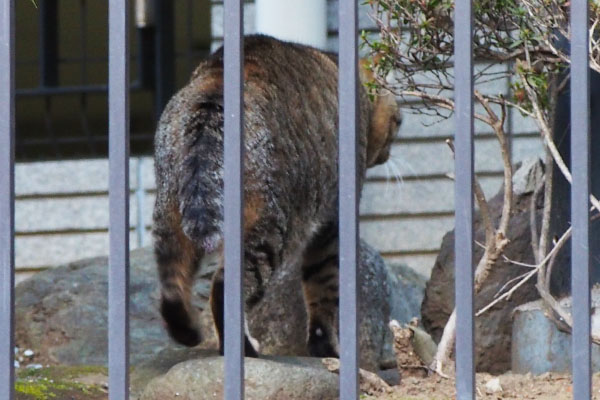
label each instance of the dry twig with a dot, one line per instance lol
(496, 239)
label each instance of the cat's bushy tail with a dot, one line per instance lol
(200, 190)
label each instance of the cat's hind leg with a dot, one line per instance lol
(177, 258)
(217, 303)
(262, 248)
(320, 287)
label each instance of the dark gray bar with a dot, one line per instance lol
(580, 192)
(463, 242)
(165, 54)
(348, 198)
(234, 200)
(7, 197)
(48, 43)
(118, 278)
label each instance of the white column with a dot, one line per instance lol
(300, 21)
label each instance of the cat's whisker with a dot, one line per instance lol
(390, 174)
(397, 172)
(387, 177)
(403, 163)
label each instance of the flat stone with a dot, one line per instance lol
(275, 378)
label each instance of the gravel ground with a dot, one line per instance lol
(549, 386)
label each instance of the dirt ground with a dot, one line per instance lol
(89, 383)
(549, 386)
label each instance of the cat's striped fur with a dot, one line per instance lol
(291, 123)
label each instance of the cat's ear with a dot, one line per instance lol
(367, 66)
(365, 72)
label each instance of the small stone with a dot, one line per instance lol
(28, 353)
(17, 364)
(35, 366)
(493, 386)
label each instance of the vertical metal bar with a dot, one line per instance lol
(83, 97)
(118, 280)
(7, 197)
(348, 197)
(48, 122)
(165, 54)
(463, 237)
(580, 192)
(189, 22)
(234, 199)
(146, 63)
(48, 43)
(83, 16)
(140, 194)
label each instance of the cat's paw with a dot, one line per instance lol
(321, 343)
(251, 347)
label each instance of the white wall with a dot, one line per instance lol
(292, 20)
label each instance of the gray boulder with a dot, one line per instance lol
(539, 346)
(270, 378)
(62, 312)
(386, 293)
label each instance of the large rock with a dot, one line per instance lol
(494, 328)
(278, 378)
(386, 292)
(62, 313)
(539, 346)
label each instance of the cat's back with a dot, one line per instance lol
(290, 110)
(290, 135)
(286, 85)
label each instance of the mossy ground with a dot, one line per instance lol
(62, 382)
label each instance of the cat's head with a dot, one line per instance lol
(385, 121)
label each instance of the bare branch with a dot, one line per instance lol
(535, 240)
(545, 232)
(484, 207)
(559, 244)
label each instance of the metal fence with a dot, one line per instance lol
(72, 69)
(234, 365)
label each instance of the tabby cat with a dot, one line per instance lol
(291, 194)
